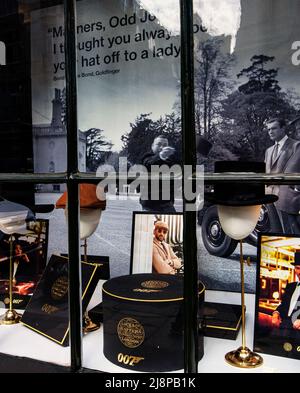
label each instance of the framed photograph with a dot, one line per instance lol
(157, 243)
(277, 313)
(29, 256)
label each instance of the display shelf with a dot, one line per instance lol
(18, 340)
(215, 348)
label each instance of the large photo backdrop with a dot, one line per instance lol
(247, 60)
(128, 75)
(247, 86)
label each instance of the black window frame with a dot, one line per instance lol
(72, 177)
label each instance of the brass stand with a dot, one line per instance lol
(88, 324)
(243, 357)
(85, 250)
(11, 316)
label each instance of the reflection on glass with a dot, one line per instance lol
(246, 75)
(247, 90)
(128, 79)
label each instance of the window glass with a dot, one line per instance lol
(48, 86)
(33, 275)
(128, 108)
(34, 278)
(246, 101)
(128, 79)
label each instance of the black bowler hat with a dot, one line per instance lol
(239, 194)
(203, 146)
(297, 259)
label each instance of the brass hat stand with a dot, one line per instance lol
(243, 357)
(11, 316)
(238, 222)
(90, 211)
(239, 208)
(88, 324)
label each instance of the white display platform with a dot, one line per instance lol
(20, 341)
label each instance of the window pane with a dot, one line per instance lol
(128, 79)
(32, 123)
(34, 278)
(245, 75)
(128, 95)
(48, 87)
(246, 100)
(247, 88)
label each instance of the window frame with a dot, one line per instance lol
(72, 177)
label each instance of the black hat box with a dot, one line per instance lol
(143, 321)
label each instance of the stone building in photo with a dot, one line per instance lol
(50, 146)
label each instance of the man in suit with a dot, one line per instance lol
(284, 157)
(161, 154)
(21, 263)
(164, 260)
(287, 314)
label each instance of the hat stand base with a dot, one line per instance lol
(11, 317)
(243, 358)
(89, 325)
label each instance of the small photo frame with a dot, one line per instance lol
(157, 243)
(277, 311)
(29, 256)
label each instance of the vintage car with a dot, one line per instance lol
(218, 243)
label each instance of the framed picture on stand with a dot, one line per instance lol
(157, 243)
(277, 313)
(29, 254)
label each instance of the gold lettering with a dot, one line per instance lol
(49, 309)
(130, 360)
(60, 288)
(17, 301)
(151, 284)
(131, 333)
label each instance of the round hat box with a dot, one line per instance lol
(143, 321)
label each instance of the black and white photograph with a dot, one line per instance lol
(247, 90)
(246, 101)
(157, 243)
(277, 319)
(121, 46)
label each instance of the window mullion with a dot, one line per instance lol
(75, 306)
(189, 158)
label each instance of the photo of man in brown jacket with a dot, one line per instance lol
(164, 260)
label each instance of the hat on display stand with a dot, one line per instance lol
(14, 216)
(239, 206)
(92, 202)
(239, 193)
(91, 207)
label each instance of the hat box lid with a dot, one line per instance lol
(152, 288)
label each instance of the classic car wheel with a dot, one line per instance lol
(214, 238)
